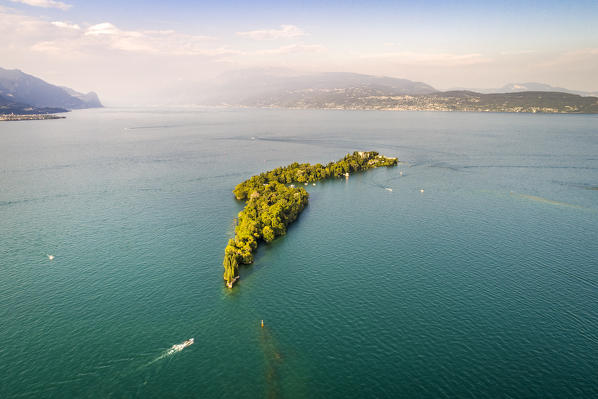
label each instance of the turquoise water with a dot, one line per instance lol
(485, 285)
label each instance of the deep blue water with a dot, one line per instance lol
(485, 285)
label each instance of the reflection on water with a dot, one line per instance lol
(272, 363)
(546, 200)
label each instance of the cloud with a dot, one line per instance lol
(430, 59)
(583, 53)
(159, 42)
(71, 39)
(19, 31)
(44, 4)
(293, 48)
(23, 34)
(578, 59)
(285, 32)
(105, 28)
(47, 47)
(517, 52)
(66, 25)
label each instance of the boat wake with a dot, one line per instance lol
(171, 351)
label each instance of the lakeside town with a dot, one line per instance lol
(460, 100)
(32, 117)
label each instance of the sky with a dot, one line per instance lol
(131, 52)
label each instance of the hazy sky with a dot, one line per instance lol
(128, 51)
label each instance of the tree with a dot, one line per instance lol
(231, 266)
(268, 234)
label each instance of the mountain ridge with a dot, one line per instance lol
(247, 86)
(351, 91)
(28, 91)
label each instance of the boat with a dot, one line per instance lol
(180, 347)
(388, 188)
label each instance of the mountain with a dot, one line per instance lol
(22, 88)
(529, 86)
(8, 106)
(280, 88)
(91, 99)
(256, 87)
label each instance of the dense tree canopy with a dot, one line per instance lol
(271, 205)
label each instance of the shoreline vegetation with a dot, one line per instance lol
(273, 202)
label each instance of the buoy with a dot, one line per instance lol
(262, 323)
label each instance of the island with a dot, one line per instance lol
(273, 202)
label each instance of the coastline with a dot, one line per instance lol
(31, 117)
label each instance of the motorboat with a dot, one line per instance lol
(180, 347)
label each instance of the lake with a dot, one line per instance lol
(483, 285)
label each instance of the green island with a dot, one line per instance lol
(273, 202)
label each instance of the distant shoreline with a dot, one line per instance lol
(30, 117)
(415, 109)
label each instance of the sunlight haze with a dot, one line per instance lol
(131, 53)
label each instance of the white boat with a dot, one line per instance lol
(388, 188)
(180, 347)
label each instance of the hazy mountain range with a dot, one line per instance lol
(280, 88)
(333, 90)
(256, 86)
(27, 94)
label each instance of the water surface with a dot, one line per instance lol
(484, 285)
